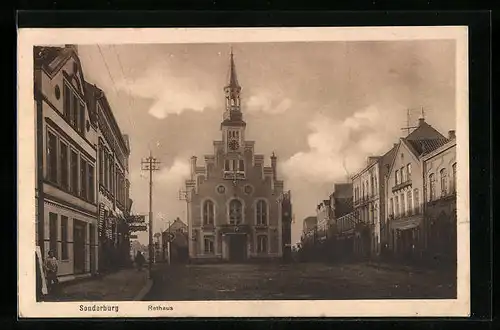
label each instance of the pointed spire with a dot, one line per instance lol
(233, 79)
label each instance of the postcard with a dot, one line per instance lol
(243, 172)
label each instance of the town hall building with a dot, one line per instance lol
(234, 201)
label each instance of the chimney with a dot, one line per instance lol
(395, 145)
(421, 121)
(451, 134)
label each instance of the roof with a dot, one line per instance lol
(94, 93)
(424, 146)
(424, 131)
(233, 78)
(44, 56)
(342, 190)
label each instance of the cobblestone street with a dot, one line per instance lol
(299, 281)
(120, 286)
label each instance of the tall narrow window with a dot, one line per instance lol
(432, 187)
(83, 179)
(64, 166)
(208, 244)
(208, 212)
(226, 165)
(53, 233)
(391, 206)
(403, 175)
(74, 111)
(409, 202)
(101, 164)
(74, 172)
(396, 206)
(444, 181)
(52, 157)
(262, 244)
(416, 201)
(242, 165)
(403, 209)
(235, 212)
(454, 173)
(64, 238)
(408, 171)
(67, 94)
(105, 170)
(81, 121)
(235, 165)
(261, 212)
(397, 177)
(91, 183)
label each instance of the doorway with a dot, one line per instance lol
(79, 247)
(237, 247)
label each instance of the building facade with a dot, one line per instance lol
(369, 203)
(440, 208)
(405, 191)
(179, 245)
(113, 151)
(66, 162)
(234, 208)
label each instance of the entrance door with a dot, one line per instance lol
(79, 247)
(237, 247)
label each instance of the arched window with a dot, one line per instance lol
(261, 212)
(444, 181)
(235, 212)
(409, 201)
(396, 177)
(432, 187)
(208, 212)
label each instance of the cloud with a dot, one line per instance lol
(175, 174)
(170, 94)
(337, 149)
(267, 102)
(340, 146)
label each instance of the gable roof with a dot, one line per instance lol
(51, 59)
(95, 94)
(422, 140)
(423, 146)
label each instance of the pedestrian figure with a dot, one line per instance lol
(139, 260)
(51, 268)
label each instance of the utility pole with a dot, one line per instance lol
(150, 164)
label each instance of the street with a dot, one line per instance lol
(298, 281)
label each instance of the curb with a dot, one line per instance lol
(144, 291)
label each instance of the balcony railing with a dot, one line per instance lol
(401, 185)
(407, 213)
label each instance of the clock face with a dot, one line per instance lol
(234, 145)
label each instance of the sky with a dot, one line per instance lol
(322, 107)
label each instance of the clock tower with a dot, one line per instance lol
(233, 125)
(234, 200)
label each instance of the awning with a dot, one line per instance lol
(406, 223)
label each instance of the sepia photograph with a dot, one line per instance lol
(243, 172)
